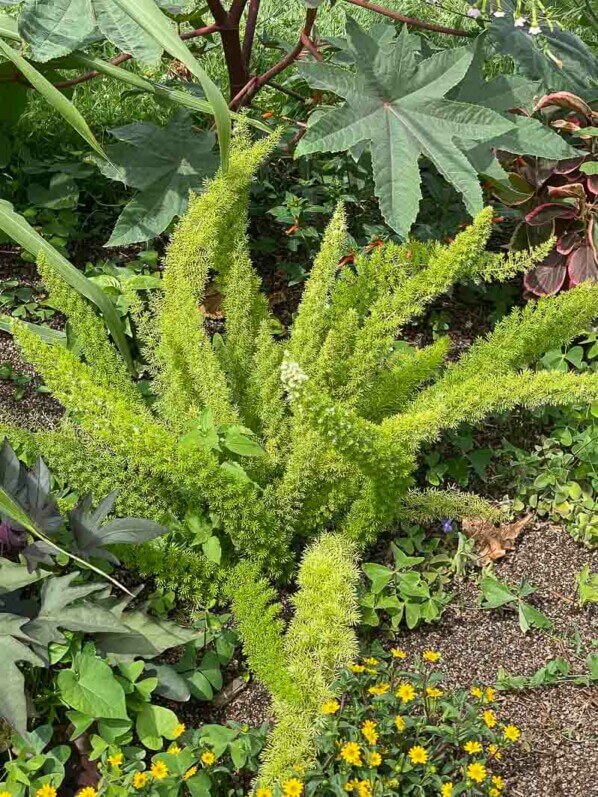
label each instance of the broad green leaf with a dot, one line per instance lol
(496, 593)
(63, 606)
(529, 617)
(126, 34)
(91, 688)
(147, 14)
(23, 233)
(143, 635)
(155, 723)
(242, 445)
(398, 104)
(502, 94)
(200, 686)
(591, 167)
(13, 705)
(14, 575)
(212, 549)
(164, 164)
(55, 27)
(379, 575)
(10, 508)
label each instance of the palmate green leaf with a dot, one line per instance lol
(54, 28)
(502, 94)
(52, 95)
(13, 644)
(397, 102)
(147, 14)
(164, 163)
(23, 233)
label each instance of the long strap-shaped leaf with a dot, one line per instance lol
(47, 334)
(147, 14)
(184, 98)
(23, 233)
(54, 97)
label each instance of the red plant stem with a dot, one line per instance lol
(415, 23)
(245, 96)
(228, 25)
(309, 45)
(250, 27)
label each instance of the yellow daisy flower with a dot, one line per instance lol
(418, 755)
(511, 732)
(472, 747)
(46, 791)
(208, 758)
(477, 772)
(88, 791)
(364, 788)
(476, 691)
(498, 782)
(369, 731)
(405, 692)
(446, 790)
(431, 655)
(375, 759)
(350, 785)
(433, 691)
(292, 788)
(5, 794)
(379, 689)
(330, 706)
(140, 779)
(493, 792)
(174, 749)
(489, 718)
(193, 771)
(115, 760)
(263, 792)
(490, 694)
(371, 661)
(400, 723)
(357, 668)
(494, 751)
(351, 753)
(397, 653)
(159, 770)
(178, 730)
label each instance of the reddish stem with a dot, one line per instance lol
(250, 27)
(309, 45)
(249, 91)
(415, 23)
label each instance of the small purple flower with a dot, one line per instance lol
(447, 525)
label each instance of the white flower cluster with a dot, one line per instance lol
(292, 377)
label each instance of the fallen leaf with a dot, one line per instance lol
(493, 541)
(212, 303)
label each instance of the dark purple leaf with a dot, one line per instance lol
(583, 265)
(11, 540)
(569, 165)
(548, 277)
(575, 190)
(548, 212)
(568, 242)
(592, 183)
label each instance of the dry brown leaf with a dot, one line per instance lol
(212, 303)
(493, 541)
